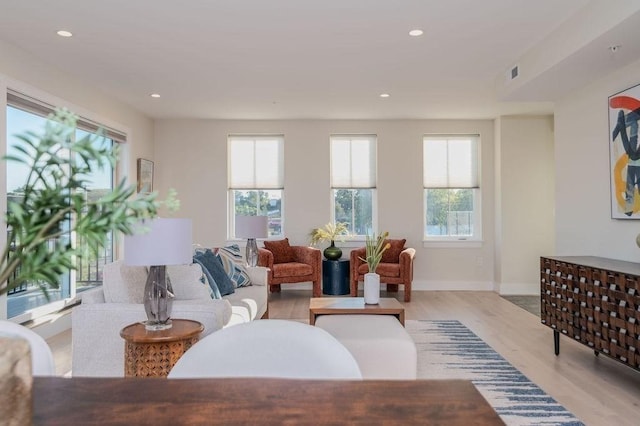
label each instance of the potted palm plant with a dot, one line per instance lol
(39, 247)
(374, 248)
(329, 233)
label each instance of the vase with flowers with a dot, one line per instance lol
(330, 233)
(374, 247)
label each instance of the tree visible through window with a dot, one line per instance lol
(353, 207)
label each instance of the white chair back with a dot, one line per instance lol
(41, 356)
(268, 348)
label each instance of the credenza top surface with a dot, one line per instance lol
(613, 265)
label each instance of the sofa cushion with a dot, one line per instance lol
(233, 264)
(213, 265)
(123, 283)
(392, 254)
(282, 251)
(292, 269)
(247, 304)
(384, 269)
(186, 281)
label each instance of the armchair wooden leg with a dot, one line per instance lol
(317, 291)
(354, 287)
(275, 288)
(392, 288)
(407, 292)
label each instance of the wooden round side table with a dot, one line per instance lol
(154, 353)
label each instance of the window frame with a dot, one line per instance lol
(354, 240)
(231, 189)
(448, 241)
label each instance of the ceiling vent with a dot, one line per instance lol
(514, 73)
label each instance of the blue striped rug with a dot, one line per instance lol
(449, 350)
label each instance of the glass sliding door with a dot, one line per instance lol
(28, 301)
(29, 295)
(90, 265)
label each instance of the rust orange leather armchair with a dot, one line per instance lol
(302, 264)
(395, 273)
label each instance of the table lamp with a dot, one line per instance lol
(252, 227)
(157, 243)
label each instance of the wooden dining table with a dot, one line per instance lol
(251, 401)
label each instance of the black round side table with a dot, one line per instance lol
(335, 277)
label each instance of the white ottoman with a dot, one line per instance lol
(379, 343)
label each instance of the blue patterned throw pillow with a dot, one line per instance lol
(233, 264)
(209, 261)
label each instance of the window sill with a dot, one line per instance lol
(350, 243)
(452, 244)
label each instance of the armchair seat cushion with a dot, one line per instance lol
(384, 269)
(292, 269)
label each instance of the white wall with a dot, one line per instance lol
(525, 201)
(583, 214)
(191, 156)
(20, 70)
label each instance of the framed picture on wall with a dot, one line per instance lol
(145, 176)
(624, 153)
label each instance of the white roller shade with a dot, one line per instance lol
(353, 161)
(256, 162)
(451, 162)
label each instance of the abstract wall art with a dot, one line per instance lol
(624, 153)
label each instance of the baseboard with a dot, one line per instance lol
(297, 286)
(50, 325)
(519, 289)
(438, 285)
(420, 285)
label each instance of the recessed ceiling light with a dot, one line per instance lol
(416, 33)
(384, 95)
(155, 95)
(63, 33)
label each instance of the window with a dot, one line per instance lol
(256, 179)
(353, 182)
(26, 114)
(451, 187)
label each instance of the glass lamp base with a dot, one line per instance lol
(252, 252)
(157, 326)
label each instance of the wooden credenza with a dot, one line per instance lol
(595, 301)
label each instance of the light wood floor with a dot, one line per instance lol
(598, 390)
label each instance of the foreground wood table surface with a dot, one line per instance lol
(156, 401)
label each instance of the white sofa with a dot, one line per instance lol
(98, 349)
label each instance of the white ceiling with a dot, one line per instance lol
(269, 59)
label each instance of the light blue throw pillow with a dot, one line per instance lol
(233, 263)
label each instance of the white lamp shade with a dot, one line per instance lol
(252, 227)
(165, 242)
